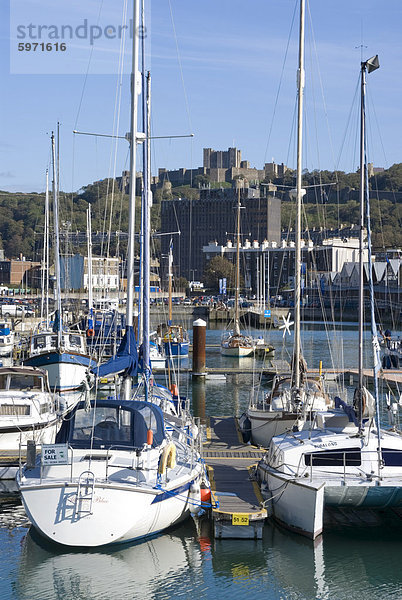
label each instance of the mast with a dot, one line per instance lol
(370, 65)
(56, 243)
(126, 387)
(236, 315)
(170, 276)
(44, 305)
(146, 249)
(299, 195)
(89, 249)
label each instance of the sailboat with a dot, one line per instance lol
(234, 342)
(294, 398)
(346, 460)
(62, 353)
(174, 337)
(127, 467)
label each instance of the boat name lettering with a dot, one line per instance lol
(325, 445)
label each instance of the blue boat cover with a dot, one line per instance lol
(145, 415)
(349, 410)
(125, 360)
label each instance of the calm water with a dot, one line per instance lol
(348, 563)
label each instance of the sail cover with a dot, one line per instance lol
(126, 358)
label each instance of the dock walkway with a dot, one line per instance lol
(239, 512)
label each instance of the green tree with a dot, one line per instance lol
(219, 268)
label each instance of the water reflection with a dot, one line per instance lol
(159, 567)
(343, 564)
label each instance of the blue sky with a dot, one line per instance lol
(223, 87)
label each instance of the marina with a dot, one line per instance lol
(200, 367)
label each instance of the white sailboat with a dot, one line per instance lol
(294, 398)
(235, 343)
(62, 353)
(174, 337)
(346, 459)
(128, 467)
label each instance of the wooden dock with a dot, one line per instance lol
(238, 512)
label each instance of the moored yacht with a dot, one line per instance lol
(28, 411)
(114, 475)
(283, 409)
(6, 339)
(335, 464)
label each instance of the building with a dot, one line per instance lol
(221, 159)
(21, 273)
(213, 216)
(270, 267)
(105, 273)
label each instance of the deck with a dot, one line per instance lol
(239, 512)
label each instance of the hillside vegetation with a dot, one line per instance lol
(21, 225)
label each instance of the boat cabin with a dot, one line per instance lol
(110, 423)
(42, 343)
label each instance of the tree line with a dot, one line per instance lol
(22, 222)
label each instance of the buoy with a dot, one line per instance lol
(174, 389)
(150, 437)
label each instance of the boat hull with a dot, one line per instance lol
(66, 371)
(176, 348)
(265, 425)
(237, 352)
(118, 514)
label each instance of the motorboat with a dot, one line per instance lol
(28, 411)
(6, 339)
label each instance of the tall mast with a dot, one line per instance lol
(170, 276)
(44, 305)
(237, 283)
(89, 250)
(56, 241)
(299, 195)
(126, 388)
(369, 65)
(146, 235)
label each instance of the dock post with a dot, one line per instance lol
(199, 342)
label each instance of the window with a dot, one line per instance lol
(15, 410)
(392, 458)
(334, 458)
(109, 426)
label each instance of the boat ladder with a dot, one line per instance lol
(85, 493)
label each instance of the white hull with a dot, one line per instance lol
(266, 425)
(297, 506)
(6, 349)
(120, 513)
(237, 352)
(66, 376)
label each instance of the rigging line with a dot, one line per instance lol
(280, 83)
(320, 82)
(116, 123)
(87, 71)
(352, 111)
(180, 67)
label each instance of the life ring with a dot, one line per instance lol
(167, 459)
(90, 333)
(174, 390)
